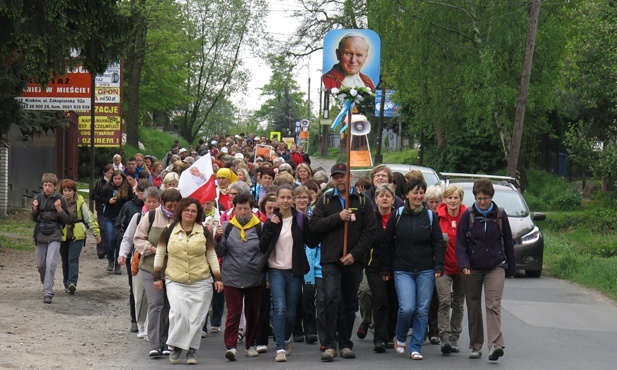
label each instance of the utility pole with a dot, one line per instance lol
(378, 155)
(517, 133)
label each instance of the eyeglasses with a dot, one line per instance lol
(483, 199)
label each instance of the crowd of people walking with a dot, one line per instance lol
(286, 251)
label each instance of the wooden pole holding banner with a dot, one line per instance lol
(347, 179)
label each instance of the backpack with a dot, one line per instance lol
(326, 199)
(136, 255)
(399, 213)
(44, 226)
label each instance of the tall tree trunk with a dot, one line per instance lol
(134, 63)
(517, 132)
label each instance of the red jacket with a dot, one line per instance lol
(449, 225)
(296, 157)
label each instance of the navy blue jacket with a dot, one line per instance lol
(484, 251)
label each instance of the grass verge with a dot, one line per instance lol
(17, 230)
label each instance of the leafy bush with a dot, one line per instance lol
(548, 192)
(405, 156)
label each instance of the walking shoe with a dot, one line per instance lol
(399, 347)
(380, 346)
(455, 347)
(475, 354)
(347, 353)
(288, 348)
(328, 355)
(446, 348)
(240, 336)
(494, 353)
(118, 270)
(110, 266)
(166, 351)
(215, 329)
(389, 344)
(72, 289)
(363, 329)
(174, 357)
(155, 353)
(262, 349)
(280, 356)
(252, 352)
(416, 356)
(133, 328)
(311, 338)
(230, 354)
(66, 290)
(47, 299)
(299, 338)
(191, 356)
(204, 334)
(434, 340)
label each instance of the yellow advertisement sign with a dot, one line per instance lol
(107, 131)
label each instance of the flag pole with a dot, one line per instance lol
(347, 178)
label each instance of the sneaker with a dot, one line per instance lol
(72, 289)
(280, 356)
(118, 270)
(347, 353)
(380, 346)
(204, 334)
(475, 354)
(47, 299)
(399, 347)
(311, 338)
(434, 340)
(155, 353)
(166, 351)
(230, 354)
(362, 330)
(133, 328)
(191, 356)
(455, 347)
(494, 353)
(110, 266)
(328, 355)
(262, 349)
(446, 348)
(66, 290)
(146, 338)
(288, 348)
(174, 357)
(298, 338)
(252, 352)
(416, 356)
(240, 336)
(215, 329)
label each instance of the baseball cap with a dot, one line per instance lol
(182, 150)
(339, 168)
(239, 156)
(224, 149)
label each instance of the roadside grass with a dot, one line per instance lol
(156, 142)
(16, 231)
(565, 258)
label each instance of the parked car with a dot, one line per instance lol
(528, 239)
(430, 176)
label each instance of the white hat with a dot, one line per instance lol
(189, 160)
(213, 142)
(182, 150)
(224, 149)
(239, 156)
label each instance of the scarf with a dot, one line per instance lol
(483, 212)
(253, 222)
(166, 212)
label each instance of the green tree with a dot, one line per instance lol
(37, 37)
(286, 104)
(216, 33)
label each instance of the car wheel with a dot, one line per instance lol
(533, 273)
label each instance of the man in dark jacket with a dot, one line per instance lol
(342, 273)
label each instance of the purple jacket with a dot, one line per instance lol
(483, 250)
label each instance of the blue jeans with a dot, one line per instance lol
(414, 291)
(285, 289)
(110, 233)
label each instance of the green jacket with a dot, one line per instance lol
(76, 229)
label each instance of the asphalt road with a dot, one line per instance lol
(547, 324)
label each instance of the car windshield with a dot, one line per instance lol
(511, 201)
(430, 178)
